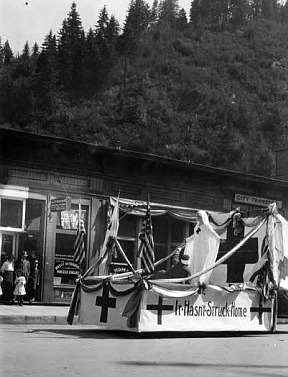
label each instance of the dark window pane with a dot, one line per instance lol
(127, 226)
(64, 245)
(7, 247)
(11, 213)
(160, 229)
(65, 269)
(177, 230)
(128, 248)
(34, 211)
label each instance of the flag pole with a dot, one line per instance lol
(79, 223)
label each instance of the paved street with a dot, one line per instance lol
(61, 350)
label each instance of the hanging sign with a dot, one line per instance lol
(61, 204)
(255, 201)
(70, 219)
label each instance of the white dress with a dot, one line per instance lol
(20, 286)
(202, 247)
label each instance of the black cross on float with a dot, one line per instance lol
(160, 307)
(260, 310)
(247, 254)
(105, 302)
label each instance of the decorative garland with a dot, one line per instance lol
(114, 292)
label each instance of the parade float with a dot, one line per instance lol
(220, 294)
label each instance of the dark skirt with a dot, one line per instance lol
(8, 286)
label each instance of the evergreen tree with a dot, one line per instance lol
(181, 21)
(93, 62)
(1, 53)
(168, 11)
(102, 24)
(7, 53)
(48, 85)
(107, 32)
(136, 22)
(197, 14)
(71, 52)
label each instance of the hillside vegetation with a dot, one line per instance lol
(208, 87)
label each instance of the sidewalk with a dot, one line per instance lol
(34, 314)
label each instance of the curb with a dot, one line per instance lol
(30, 319)
(60, 320)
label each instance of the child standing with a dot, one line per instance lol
(19, 290)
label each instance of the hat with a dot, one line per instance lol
(185, 259)
(25, 254)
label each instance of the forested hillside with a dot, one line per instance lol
(208, 87)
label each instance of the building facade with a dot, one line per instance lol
(46, 183)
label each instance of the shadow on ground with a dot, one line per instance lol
(109, 334)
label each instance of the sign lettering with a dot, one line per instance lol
(256, 201)
(62, 204)
(209, 310)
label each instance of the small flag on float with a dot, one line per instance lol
(112, 230)
(146, 249)
(79, 245)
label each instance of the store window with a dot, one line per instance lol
(11, 214)
(65, 268)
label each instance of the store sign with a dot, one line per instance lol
(65, 271)
(255, 201)
(62, 204)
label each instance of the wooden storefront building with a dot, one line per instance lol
(40, 174)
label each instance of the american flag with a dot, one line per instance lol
(146, 249)
(79, 246)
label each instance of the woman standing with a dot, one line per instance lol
(7, 271)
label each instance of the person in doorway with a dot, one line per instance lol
(33, 282)
(7, 272)
(24, 265)
(19, 290)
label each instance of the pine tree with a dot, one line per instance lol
(196, 14)
(102, 24)
(35, 49)
(47, 75)
(7, 53)
(136, 23)
(168, 12)
(71, 52)
(92, 68)
(107, 32)
(181, 21)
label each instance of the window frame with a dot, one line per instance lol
(9, 228)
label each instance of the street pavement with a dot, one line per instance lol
(61, 350)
